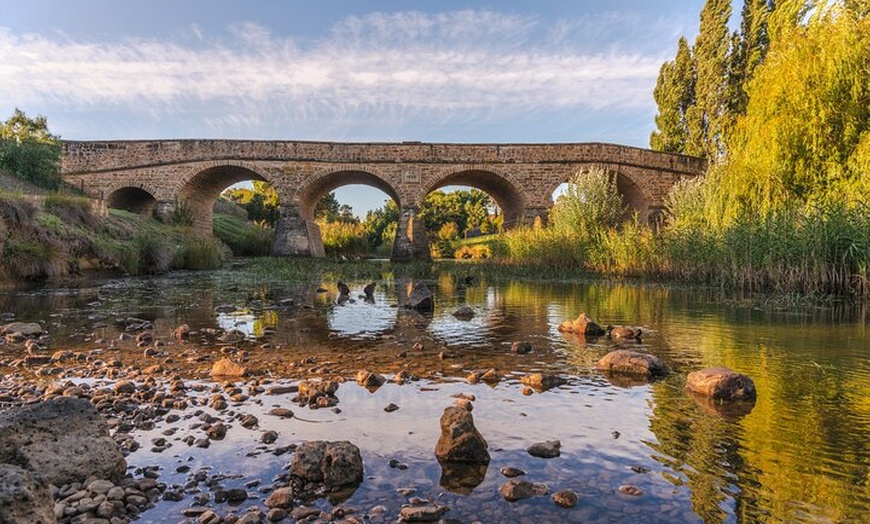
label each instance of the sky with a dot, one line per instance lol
(341, 70)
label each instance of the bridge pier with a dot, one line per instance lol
(411, 242)
(296, 236)
(164, 211)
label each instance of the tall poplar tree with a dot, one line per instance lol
(674, 94)
(748, 49)
(706, 119)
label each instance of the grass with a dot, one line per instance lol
(242, 237)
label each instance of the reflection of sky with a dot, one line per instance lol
(360, 319)
(243, 321)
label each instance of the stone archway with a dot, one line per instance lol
(197, 194)
(298, 234)
(500, 187)
(133, 199)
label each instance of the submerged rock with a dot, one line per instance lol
(464, 312)
(566, 498)
(422, 513)
(369, 380)
(721, 384)
(515, 489)
(541, 381)
(460, 441)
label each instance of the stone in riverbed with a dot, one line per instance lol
(633, 363)
(25, 329)
(333, 464)
(521, 347)
(369, 380)
(280, 498)
(721, 383)
(24, 497)
(460, 441)
(227, 368)
(419, 297)
(548, 449)
(566, 498)
(514, 489)
(422, 513)
(464, 312)
(542, 382)
(582, 325)
(63, 439)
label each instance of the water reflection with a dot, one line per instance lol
(800, 454)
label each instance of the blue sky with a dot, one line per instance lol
(437, 71)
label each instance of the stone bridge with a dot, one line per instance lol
(154, 176)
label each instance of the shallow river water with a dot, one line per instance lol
(802, 454)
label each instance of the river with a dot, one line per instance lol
(801, 454)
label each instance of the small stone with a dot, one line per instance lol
(521, 348)
(511, 472)
(227, 368)
(391, 407)
(280, 412)
(464, 313)
(513, 490)
(566, 498)
(628, 489)
(280, 498)
(427, 513)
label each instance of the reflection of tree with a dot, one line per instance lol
(703, 448)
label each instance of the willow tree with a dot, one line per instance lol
(806, 134)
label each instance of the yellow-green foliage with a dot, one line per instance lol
(806, 133)
(343, 238)
(473, 252)
(589, 204)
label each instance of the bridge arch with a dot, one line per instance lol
(135, 199)
(501, 187)
(199, 189)
(328, 180)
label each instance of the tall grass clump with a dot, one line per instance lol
(29, 257)
(589, 204)
(199, 253)
(552, 248)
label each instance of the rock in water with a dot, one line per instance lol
(460, 441)
(64, 439)
(635, 363)
(721, 384)
(548, 449)
(369, 290)
(332, 464)
(464, 312)
(419, 297)
(582, 325)
(342, 288)
(26, 329)
(24, 497)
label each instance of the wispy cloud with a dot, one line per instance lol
(379, 68)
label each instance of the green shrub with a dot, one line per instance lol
(589, 205)
(199, 253)
(242, 237)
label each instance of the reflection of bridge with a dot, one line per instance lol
(154, 176)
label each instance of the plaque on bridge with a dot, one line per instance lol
(410, 177)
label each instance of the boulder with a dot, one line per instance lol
(515, 489)
(542, 382)
(332, 464)
(419, 297)
(25, 329)
(227, 368)
(280, 498)
(369, 380)
(460, 441)
(634, 363)
(24, 497)
(582, 325)
(566, 498)
(548, 449)
(721, 384)
(64, 439)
